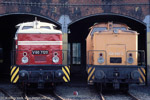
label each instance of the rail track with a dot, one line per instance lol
(101, 96)
(45, 95)
(53, 96)
(12, 92)
(25, 97)
(50, 96)
(57, 96)
(118, 96)
(6, 95)
(132, 96)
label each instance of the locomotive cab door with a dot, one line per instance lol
(116, 54)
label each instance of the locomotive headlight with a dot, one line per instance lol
(25, 59)
(135, 74)
(58, 73)
(130, 60)
(55, 59)
(23, 74)
(101, 60)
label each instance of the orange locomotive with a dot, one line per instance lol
(113, 57)
(38, 55)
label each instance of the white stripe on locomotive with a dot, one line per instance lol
(39, 42)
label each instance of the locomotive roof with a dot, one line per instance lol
(110, 26)
(37, 27)
(106, 24)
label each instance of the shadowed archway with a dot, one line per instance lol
(8, 30)
(79, 30)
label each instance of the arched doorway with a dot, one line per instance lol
(79, 30)
(8, 30)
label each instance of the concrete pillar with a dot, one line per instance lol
(147, 21)
(65, 48)
(65, 20)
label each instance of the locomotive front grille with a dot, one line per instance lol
(39, 58)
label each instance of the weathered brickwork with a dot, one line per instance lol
(76, 9)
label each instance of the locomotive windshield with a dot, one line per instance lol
(27, 27)
(120, 28)
(37, 27)
(98, 29)
(45, 27)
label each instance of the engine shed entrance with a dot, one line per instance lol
(79, 30)
(8, 30)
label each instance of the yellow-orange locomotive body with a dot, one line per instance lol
(113, 55)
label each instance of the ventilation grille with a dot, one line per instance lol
(40, 58)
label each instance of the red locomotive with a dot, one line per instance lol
(38, 55)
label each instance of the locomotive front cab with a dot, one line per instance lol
(113, 56)
(38, 56)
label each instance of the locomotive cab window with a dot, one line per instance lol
(98, 29)
(115, 60)
(45, 27)
(27, 27)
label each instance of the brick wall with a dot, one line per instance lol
(76, 8)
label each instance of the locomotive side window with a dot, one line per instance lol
(27, 27)
(120, 28)
(97, 29)
(45, 27)
(115, 60)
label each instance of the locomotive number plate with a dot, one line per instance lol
(38, 52)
